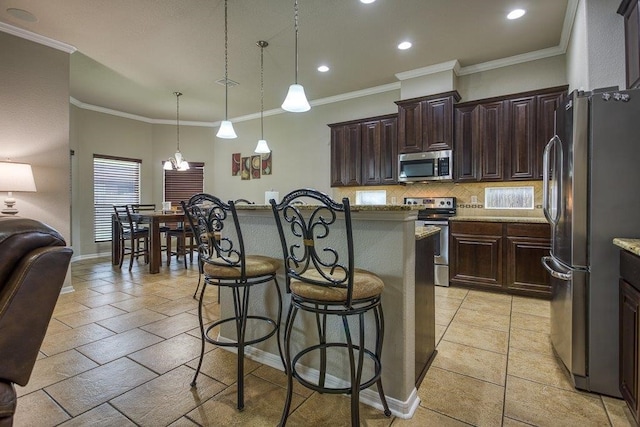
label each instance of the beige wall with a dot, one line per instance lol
(99, 133)
(34, 126)
(595, 54)
(300, 143)
(541, 73)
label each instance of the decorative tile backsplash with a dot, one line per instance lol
(470, 197)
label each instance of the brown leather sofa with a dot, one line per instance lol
(33, 264)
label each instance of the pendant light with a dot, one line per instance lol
(226, 127)
(262, 147)
(296, 101)
(177, 161)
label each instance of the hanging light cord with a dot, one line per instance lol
(261, 44)
(178, 118)
(295, 18)
(226, 76)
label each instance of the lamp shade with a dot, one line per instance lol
(296, 100)
(226, 130)
(262, 147)
(16, 177)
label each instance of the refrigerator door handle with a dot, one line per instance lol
(546, 179)
(558, 275)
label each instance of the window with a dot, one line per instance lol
(116, 181)
(181, 185)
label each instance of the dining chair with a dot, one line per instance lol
(185, 244)
(322, 279)
(134, 240)
(226, 265)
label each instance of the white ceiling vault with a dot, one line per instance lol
(133, 54)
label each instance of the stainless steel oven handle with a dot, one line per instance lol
(558, 275)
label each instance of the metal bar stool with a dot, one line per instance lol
(225, 264)
(322, 279)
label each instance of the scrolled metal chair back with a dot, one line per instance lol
(210, 217)
(306, 244)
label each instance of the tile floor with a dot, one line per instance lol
(122, 350)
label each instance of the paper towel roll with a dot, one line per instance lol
(268, 195)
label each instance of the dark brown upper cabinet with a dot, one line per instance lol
(364, 152)
(503, 138)
(345, 155)
(629, 9)
(426, 123)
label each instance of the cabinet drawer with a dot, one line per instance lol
(476, 228)
(542, 231)
(630, 268)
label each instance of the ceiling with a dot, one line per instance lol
(133, 54)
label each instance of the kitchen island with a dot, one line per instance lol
(385, 243)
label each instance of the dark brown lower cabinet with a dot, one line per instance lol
(475, 254)
(629, 330)
(503, 257)
(526, 245)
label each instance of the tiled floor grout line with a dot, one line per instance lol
(102, 276)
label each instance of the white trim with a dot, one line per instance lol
(369, 396)
(67, 289)
(28, 35)
(569, 19)
(329, 100)
(572, 7)
(431, 69)
(512, 60)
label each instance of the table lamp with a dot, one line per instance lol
(15, 177)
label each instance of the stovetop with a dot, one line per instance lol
(435, 207)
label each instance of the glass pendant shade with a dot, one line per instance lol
(296, 100)
(226, 130)
(262, 147)
(167, 165)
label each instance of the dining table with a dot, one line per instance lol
(153, 219)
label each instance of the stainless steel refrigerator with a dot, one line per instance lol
(591, 194)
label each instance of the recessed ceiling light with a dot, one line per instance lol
(367, 1)
(323, 68)
(516, 13)
(404, 45)
(22, 14)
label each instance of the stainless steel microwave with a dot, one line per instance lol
(427, 166)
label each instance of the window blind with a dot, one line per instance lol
(116, 181)
(181, 185)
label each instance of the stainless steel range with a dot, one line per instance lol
(437, 212)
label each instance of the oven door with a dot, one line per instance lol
(441, 259)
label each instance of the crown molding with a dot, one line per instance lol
(28, 35)
(453, 65)
(117, 113)
(329, 100)
(560, 49)
(511, 60)
(567, 27)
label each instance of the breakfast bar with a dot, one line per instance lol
(385, 240)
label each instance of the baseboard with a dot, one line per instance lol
(67, 289)
(370, 397)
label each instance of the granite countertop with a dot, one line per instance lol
(428, 231)
(631, 245)
(354, 208)
(525, 219)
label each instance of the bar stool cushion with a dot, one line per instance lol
(255, 265)
(365, 285)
